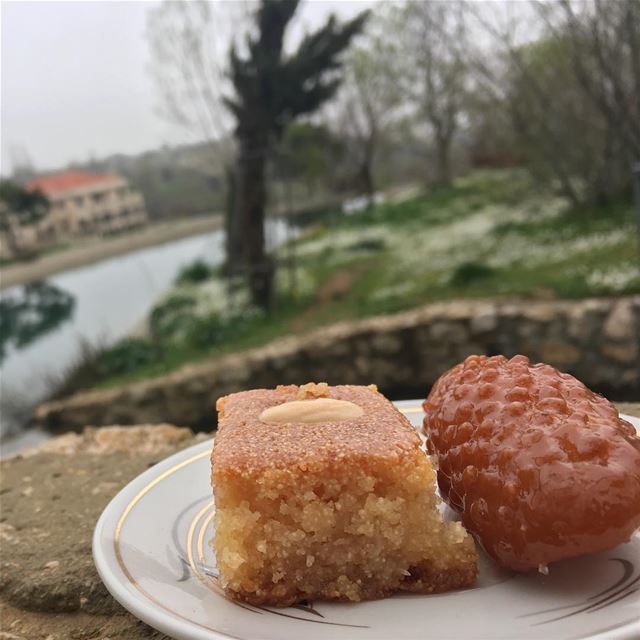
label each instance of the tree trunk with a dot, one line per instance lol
(443, 159)
(233, 225)
(366, 172)
(603, 183)
(366, 177)
(252, 199)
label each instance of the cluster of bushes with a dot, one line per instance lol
(177, 320)
(181, 327)
(196, 272)
(200, 335)
(177, 330)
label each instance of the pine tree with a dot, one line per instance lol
(271, 90)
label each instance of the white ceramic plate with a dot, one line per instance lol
(151, 550)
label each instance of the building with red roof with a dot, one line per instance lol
(68, 181)
(89, 203)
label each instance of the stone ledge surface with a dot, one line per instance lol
(51, 498)
(594, 339)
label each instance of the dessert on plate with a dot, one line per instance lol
(324, 493)
(541, 467)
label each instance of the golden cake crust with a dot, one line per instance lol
(340, 510)
(246, 444)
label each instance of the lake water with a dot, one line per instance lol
(108, 300)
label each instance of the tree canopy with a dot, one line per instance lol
(271, 88)
(28, 206)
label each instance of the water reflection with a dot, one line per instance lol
(29, 312)
(111, 297)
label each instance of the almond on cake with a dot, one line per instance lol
(324, 493)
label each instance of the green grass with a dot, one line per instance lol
(546, 241)
(574, 222)
(491, 234)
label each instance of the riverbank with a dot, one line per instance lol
(90, 250)
(105, 301)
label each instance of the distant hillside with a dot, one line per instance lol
(188, 180)
(176, 182)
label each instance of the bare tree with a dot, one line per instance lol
(368, 101)
(544, 124)
(433, 76)
(602, 40)
(189, 44)
(570, 86)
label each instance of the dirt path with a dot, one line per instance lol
(88, 251)
(335, 288)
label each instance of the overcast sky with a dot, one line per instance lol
(74, 81)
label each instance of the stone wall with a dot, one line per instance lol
(52, 497)
(597, 340)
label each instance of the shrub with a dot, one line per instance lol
(469, 272)
(171, 315)
(95, 362)
(197, 271)
(207, 331)
(126, 356)
(372, 244)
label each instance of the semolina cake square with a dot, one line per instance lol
(325, 493)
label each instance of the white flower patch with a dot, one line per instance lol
(399, 290)
(355, 205)
(537, 209)
(440, 247)
(514, 249)
(211, 297)
(490, 235)
(304, 282)
(615, 279)
(215, 297)
(340, 240)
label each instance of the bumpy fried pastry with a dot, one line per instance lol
(540, 467)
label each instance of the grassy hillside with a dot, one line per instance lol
(492, 234)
